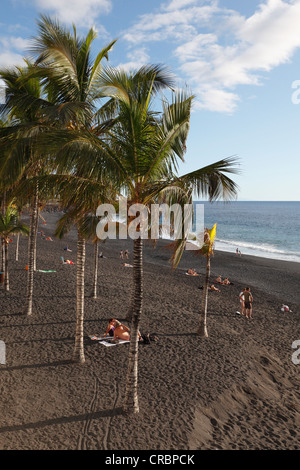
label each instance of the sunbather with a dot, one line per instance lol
(118, 331)
(212, 287)
(191, 272)
(66, 261)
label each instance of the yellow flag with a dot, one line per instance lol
(212, 235)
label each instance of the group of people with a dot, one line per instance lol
(124, 254)
(246, 300)
(226, 281)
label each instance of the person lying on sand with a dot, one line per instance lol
(66, 248)
(212, 287)
(66, 261)
(118, 331)
(226, 281)
(49, 239)
(191, 272)
(127, 265)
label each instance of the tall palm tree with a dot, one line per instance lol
(26, 105)
(64, 62)
(65, 69)
(140, 155)
(10, 224)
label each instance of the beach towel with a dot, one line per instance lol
(107, 340)
(43, 271)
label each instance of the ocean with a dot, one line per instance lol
(265, 229)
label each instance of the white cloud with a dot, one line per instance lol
(180, 24)
(80, 12)
(14, 43)
(220, 49)
(136, 59)
(10, 59)
(11, 51)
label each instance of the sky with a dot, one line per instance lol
(241, 60)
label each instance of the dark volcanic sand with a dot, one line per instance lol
(236, 389)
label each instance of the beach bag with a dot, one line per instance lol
(146, 338)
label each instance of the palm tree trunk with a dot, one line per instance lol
(31, 244)
(35, 233)
(78, 354)
(131, 404)
(2, 256)
(96, 250)
(6, 279)
(17, 247)
(131, 307)
(202, 329)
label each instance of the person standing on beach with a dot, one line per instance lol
(248, 302)
(242, 299)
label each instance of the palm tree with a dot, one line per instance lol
(10, 224)
(26, 106)
(70, 75)
(206, 250)
(67, 73)
(139, 154)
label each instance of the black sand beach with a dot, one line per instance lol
(236, 389)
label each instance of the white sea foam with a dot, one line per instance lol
(263, 250)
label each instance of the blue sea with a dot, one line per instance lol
(265, 229)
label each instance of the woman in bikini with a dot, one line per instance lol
(117, 330)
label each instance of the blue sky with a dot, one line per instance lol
(240, 58)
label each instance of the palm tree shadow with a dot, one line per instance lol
(62, 420)
(37, 366)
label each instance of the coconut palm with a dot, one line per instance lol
(64, 62)
(25, 104)
(10, 224)
(140, 155)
